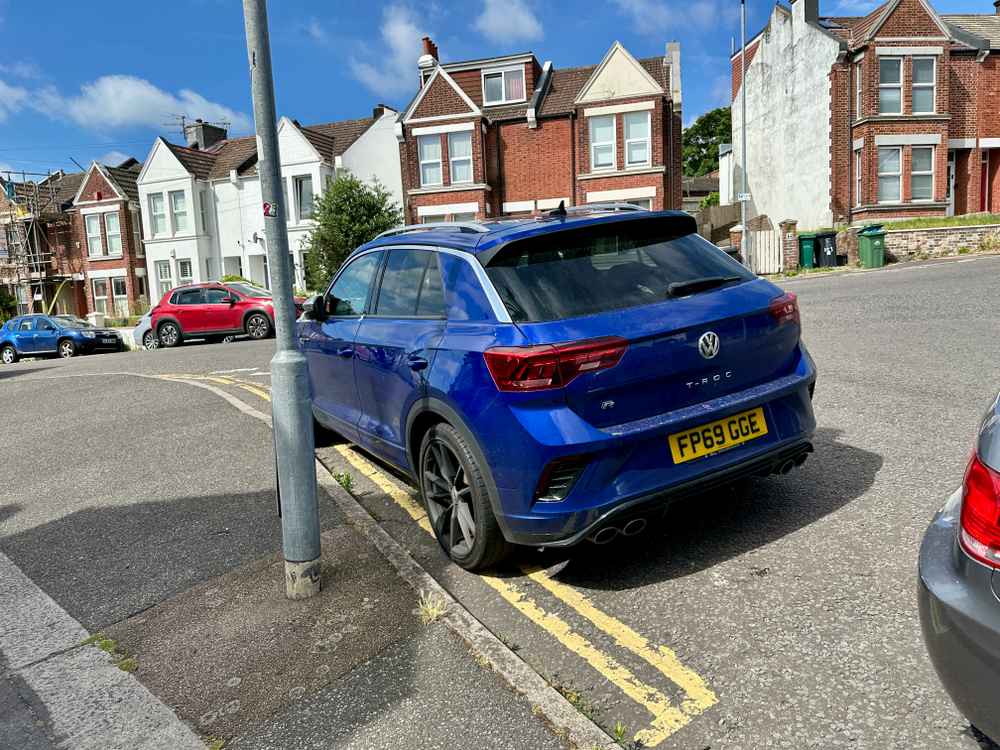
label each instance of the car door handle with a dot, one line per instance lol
(345, 351)
(416, 362)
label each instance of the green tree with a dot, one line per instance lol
(702, 139)
(8, 304)
(348, 214)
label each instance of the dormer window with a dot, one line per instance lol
(503, 86)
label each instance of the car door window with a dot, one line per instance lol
(216, 296)
(45, 325)
(190, 297)
(411, 285)
(349, 292)
(26, 325)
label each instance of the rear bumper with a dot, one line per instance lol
(960, 619)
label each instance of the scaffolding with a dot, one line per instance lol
(27, 259)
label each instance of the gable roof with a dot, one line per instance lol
(439, 72)
(54, 193)
(971, 30)
(332, 139)
(566, 84)
(618, 50)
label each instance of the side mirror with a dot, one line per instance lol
(314, 308)
(229, 300)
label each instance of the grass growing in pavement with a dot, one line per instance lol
(929, 222)
(214, 743)
(345, 480)
(430, 606)
(123, 661)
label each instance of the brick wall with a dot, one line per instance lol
(841, 143)
(127, 262)
(988, 100)
(471, 82)
(737, 67)
(909, 20)
(480, 197)
(946, 241)
(536, 162)
(440, 99)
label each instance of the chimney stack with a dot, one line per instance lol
(430, 48)
(996, 5)
(379, 109)
(202, 135)
(428, 60)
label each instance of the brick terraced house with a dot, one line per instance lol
(853, 119)
(508, 136)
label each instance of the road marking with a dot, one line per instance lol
(254, 390)
(699, 696)
(230, 372)
(667, 718)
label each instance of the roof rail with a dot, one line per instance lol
(596, 207)
(460, 226)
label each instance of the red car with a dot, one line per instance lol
(214, 310)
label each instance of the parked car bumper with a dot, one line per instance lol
(629, 470)
(100, 344)
(960, 617)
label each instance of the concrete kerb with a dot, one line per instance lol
(544, 699)
(898, 266)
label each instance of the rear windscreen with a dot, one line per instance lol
(601, 267)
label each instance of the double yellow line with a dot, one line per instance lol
(667, 717)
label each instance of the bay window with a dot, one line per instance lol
(184, 271)
(164, 276)
(922, 173)
(119, 292)
(429, 154)
(637, 139)
(460, 157)
(95, 247)
(857, 177)
(890, 85)
(100, 295)
(889, 175)
(858, 82)
(602, 143)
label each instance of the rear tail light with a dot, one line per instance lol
(538, 368)
(785, 309)
(980, 533)
(558, 478)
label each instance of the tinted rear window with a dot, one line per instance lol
(601, 268)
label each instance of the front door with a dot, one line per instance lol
(395, 347)
(328, 344)
(951, 183)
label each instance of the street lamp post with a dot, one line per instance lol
(746, 236)
(291, 412)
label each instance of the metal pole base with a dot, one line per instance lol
(302, 579)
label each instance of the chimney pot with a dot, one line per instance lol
(996, 5)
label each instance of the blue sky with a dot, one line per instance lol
(102, 80)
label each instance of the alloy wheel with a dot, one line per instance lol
(257, 326)
(8, 356)
(168, 334)
(150, 341)
(66, 349)
(449, 499)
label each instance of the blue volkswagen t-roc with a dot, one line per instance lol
(551, 380)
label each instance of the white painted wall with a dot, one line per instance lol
(788, 123)
(727, 194)
(375, 156)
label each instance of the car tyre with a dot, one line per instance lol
(455, 495)
(169, 334)
(8, 354)
(67, 349)
(258, 326)
(150, 341)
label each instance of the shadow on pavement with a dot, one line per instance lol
(104, 564)
(26, 721)
(702, 531)
(12, 371)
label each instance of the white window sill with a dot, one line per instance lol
(504, 103)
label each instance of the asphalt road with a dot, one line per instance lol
(792, 599)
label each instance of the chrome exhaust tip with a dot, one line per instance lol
(801, 459)
(787, 466)
(634, 527)
(605, 535)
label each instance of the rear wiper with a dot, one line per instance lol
(684, 288)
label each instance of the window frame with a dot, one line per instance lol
(452, 159)
(613, 143)
(153, 214)
(203, 210)
(174, 213)
(858, 171)
(932, 85)
(898, 175)
(91, 243)
(439, 161)
(297, 182)
(183, 279)
(380, 278)
(914, 173)
(158, 266)
(648, 139)
(106, 296)
(139, 250)
(502, 72)
(108, 234)
(898, 86)
(115, 296)
(859, 77)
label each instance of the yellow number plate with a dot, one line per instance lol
(717, 436)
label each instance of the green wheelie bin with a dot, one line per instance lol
(807, 250)
(871, 246)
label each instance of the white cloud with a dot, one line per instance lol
(656, 16)
(508, 21)
(112, 158)
(124, 101)
(856, 7)
(21, 70)
(315, 31)
(394, 70)
(12, 99)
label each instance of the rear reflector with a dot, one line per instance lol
(980, 534)
(785, 309)
(538, 368)
(558, 478)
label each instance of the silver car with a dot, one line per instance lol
(143, 333)
(959, 591)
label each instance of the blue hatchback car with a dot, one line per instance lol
(552, 380)
(51, 336)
